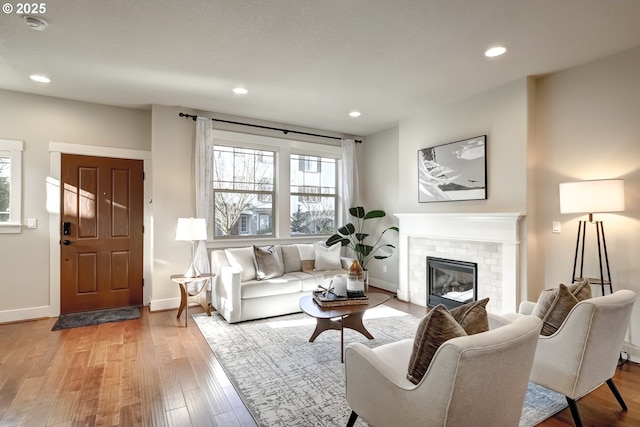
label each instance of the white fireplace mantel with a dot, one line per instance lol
(495, 228)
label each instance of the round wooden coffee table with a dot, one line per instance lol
(347, 316)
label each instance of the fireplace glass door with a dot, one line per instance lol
(451, 282)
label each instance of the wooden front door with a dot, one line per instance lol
(101, 253)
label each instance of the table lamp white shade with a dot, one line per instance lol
(604, 195)
(191, 230)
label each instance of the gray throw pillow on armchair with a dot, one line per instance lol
(552, 307)
(434, 329)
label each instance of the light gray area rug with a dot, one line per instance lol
(285, 380)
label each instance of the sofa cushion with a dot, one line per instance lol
(285, 284)
(308, 281)
(327, 257)
(434, 329)
(242, 259)
(307, 256)
(290, 258)
(472, 316)
(553, 306)
(267, 263)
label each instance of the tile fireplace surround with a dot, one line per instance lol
(489, 239)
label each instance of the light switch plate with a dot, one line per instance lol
(32, 223)
(556, 227)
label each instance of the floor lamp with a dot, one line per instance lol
(191, 230)
(591, 197)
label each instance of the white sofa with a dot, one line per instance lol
(238, 294)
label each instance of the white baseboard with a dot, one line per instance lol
(387, 286)
(30, 313)
(164, 304)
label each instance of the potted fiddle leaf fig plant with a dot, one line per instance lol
(355, 237)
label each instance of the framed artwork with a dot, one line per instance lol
(453, 171)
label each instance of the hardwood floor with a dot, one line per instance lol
(155, 372)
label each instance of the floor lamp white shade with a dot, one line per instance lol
(604, 195)
(191, 230)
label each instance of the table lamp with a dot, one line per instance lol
(597, 196)
(191, 230)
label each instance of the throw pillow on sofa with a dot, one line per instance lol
(327, 257)
(267, 263)
(242, 259)
(307, 256)
(290, 258)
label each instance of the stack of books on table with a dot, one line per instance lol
(332, 300)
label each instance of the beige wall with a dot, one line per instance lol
(378, 169)
(588, 128)
(173, 197)
(39, 120)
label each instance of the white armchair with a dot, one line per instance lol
(478, 380)
(583, 353)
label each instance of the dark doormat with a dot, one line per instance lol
(76, 320)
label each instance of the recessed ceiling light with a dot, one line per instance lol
(240, 91)
(495, 51)
(355, 114)
(39, 78)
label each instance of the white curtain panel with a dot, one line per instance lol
(350, 187)
(203, 172)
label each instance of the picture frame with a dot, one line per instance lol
(453, 171)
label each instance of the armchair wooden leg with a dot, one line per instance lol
(352, 419)
(574, 411)
(616, 393)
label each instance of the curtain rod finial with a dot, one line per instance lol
(189, 116)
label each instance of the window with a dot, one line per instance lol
(244, 190)
(264, 188)
(10, 185)
(313, 194)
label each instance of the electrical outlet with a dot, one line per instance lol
(32, 223)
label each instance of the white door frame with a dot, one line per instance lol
(56, 149)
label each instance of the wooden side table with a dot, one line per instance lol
(186, 297)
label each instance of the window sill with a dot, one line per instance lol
(10, 228)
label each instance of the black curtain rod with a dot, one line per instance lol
(285, 131)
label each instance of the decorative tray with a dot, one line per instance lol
(336, 301)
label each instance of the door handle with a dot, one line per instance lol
(67, 242)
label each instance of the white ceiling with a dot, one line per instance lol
(304, 62)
